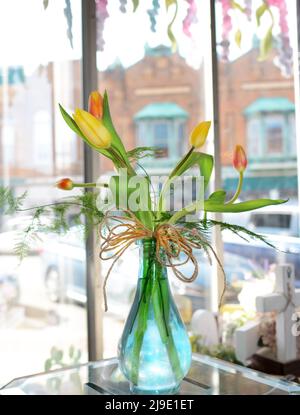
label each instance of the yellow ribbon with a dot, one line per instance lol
(118, 238)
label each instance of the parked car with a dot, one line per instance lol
(237, 269)
(64, 265)
(280, 224)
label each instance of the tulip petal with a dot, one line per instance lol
(199, 134)
(96, 104)
(93, 129)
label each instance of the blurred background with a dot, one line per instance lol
(156, 97)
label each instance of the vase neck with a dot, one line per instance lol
(150, 267)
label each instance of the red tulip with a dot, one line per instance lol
(65, 184)
(96, 104)
(239, 159)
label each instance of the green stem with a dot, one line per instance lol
(86, 185)
(142, 314)
(166, 184)
(238, 190)
(161, 308)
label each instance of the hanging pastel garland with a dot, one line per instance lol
(248, 9)
(69, 18)
(123, 4)
(284, 60)
(102, 15)
(153, 13)
(190, 18)
(226, 28)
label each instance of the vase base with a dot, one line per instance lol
(136, 390)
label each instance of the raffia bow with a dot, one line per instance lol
(170, 244)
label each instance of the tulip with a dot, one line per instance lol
(199, 134)
(239, 159)
(65, 184)
(96, 104)
(93, 129)
(239, 163)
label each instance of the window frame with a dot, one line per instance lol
(173, 137)
(211, 86)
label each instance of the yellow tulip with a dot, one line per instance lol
(93, 129)
(199, 134)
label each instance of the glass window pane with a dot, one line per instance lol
(156, 98)
(42, 300)
(262, 94)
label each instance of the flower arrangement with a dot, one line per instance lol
(174, 234)
(155, 351)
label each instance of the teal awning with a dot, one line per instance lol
(276, 104)
(160, 110)
(263, 183)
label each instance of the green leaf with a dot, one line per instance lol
(48, 365)
(266, 45)
(238, 38)
(218, 196)
(260, 12)
(46, 4)
(74, 127)
(135, 4)
(53, 352)
(205, 163)
(138, 153)
(71, 123)
(58, 355)
(213, 206)
(107, 121)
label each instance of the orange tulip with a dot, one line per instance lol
(96, 104)
(65, 184)
(239, 159)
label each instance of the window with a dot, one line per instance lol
(156, 98)
(270, 128)
(274, 135)
(262, 96)
(165, 135)
(161, 139)
(38, 69)
(254, 138)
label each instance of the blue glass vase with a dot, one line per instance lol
(154, 350)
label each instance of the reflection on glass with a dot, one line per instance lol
(257, 110)
(156, 98)
(42, 299)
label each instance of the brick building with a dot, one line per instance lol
(158, 100)
(257, 110)
(155, 102)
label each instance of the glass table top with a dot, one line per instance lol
(207, 376)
